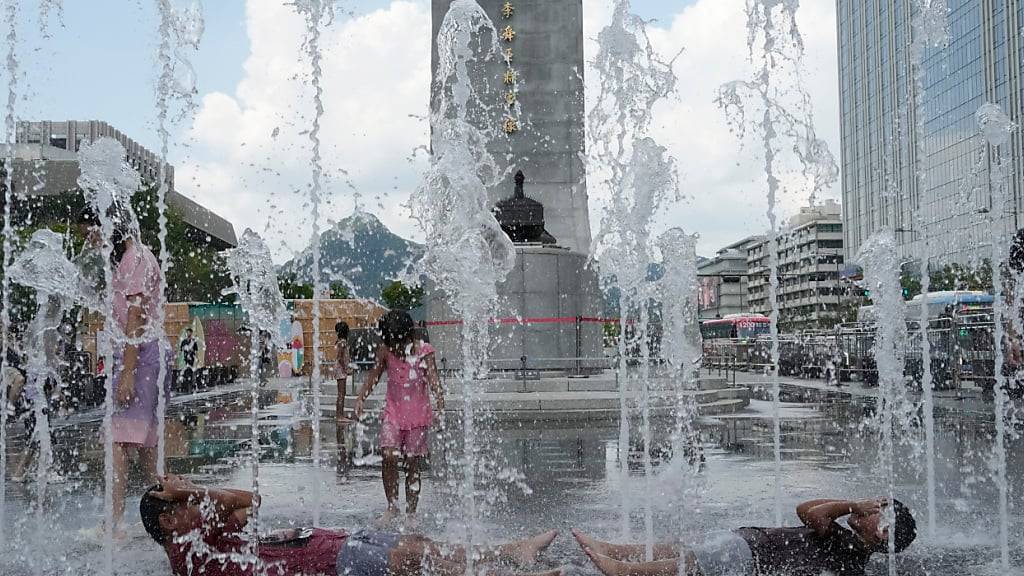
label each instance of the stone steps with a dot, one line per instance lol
(558, 397)
(554, 385)
(571, 405)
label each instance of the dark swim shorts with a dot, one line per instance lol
(366, 553)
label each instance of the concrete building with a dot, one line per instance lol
(548, 141)
(810, 260)
(723, 281)
(47, 152)
(983, 62)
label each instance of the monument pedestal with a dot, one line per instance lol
(549, 312)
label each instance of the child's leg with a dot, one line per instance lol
(414, 445)
(339, 404)
(340, 424)
(21, 468)
(390, 449)
(389, 470)
(626, 552)
(412, 551)
(412, 483)
(610, 567)
(147, 459)
(120, 465)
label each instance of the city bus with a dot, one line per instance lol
(736, 327)
(949, 304)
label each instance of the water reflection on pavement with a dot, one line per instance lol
(570, 475)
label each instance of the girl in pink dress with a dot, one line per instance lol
(407, 416)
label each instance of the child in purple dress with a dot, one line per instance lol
(137, 282)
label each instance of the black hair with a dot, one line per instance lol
(905, 526)
(341, 330)
(396, 329)
(119, 241)
(1016, 260)
(150, 508)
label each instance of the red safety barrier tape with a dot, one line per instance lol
(542, 320)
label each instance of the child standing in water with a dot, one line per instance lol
(342, 368)
(412, 374)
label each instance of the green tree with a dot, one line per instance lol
(953, 276)
(340, 291)
(292, 289)
(196, 271)
(911, 285)
(398, 295)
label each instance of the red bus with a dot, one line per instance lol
(736, 326)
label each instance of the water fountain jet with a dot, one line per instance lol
(997, 128)
(255, 284)
(929, 30)
(776, 44)
(641, 178)
(467, 253)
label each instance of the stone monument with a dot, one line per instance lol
(550, 302)
(537, 93)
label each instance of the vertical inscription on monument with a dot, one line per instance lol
(536, 85)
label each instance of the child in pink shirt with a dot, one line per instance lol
(407, 415)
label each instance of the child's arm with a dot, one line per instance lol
(371, 380)
(434, 380)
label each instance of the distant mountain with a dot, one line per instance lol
(362, 252)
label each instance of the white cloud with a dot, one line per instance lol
(376, 91)
(251, 153)
(724, 183)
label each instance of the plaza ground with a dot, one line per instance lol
(553, 475)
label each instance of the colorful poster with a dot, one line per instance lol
(284, 353)
(298, 347)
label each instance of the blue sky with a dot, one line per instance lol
(101, 62)
(253, 85)
(105, 44)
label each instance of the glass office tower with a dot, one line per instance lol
(981, 63)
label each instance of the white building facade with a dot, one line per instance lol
(810, 261)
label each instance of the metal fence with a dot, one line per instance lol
(962, 350)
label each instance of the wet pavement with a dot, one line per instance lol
(541, 476)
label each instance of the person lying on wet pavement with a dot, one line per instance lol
(820, 546)
(203, 531)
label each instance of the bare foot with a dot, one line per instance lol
(526, 551)
(97, 534)
(505, 572)
(411, 521)
(589, 543)
(606, 565)
(388, 519)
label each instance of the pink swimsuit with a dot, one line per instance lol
(407, 411)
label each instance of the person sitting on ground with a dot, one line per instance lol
(203, 531)
(820, 546)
